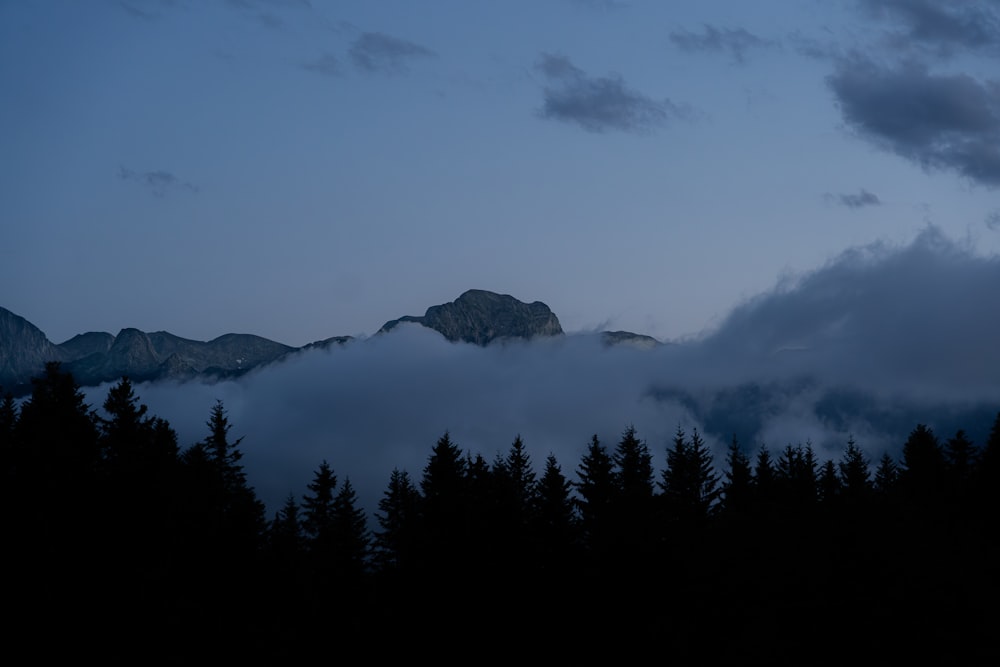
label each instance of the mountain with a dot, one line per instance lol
(482, 317)
(24, 349)
(477, 316)
(97, 357)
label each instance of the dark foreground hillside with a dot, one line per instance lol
(123, 545)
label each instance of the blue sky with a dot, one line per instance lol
(305, 169)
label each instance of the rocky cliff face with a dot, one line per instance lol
(24, 350)
(481, 317)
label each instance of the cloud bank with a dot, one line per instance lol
(877, 339)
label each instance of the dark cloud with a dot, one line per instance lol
(993, 221)
(598, 104)
(158, 182)
(327, 65)
(858, 200)
(942, 27)
(377, 52)
(722, 40)
(938, 121)
(877, 339)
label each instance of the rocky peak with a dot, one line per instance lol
(481, 317)
(23, 350)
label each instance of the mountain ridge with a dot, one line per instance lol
(478, 317)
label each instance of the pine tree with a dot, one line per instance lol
(515, 484)
(828, 485)
(923, 468)
(398, 518)
(285, 537)
(690, 485)
(854, 472)
(796, 475)
(222, 501)
(317, 509)
(961, 461)
(633, 469)
(765, 480)
(886, 476)
(737, 490)
(555, 517)
(351, 538)
(445, 508)
(597, 494)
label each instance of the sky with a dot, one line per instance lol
(797, 193)
(300, 169)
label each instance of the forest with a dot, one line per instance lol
(121, 542)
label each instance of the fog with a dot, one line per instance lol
(878, 338)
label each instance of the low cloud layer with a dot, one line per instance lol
(599, 104)
(938, 121)
(880, 337)
(376, 52)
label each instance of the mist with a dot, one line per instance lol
(865, 347)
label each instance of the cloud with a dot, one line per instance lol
(993, 221)
(327, 65)
(598, 104)
(941, 27)
(949, 122)
(878, 340)
(725, 40)
(376, 52)
(158, 182)
(859, 200)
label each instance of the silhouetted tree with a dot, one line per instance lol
(886, 476)
(854, 472)
(317, 511)
(515, 485)
(689, 483)
(351, 538)
(398, 518)
(285, 538)
(828, 485)
(960, 466)
(596, 489)
(226, 507)
(765, 481)
(555, 524)
(796, 475)
(988, 476)
(737, 489)
(923, 468)
(445, 507)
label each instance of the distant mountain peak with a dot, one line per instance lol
(481, 317)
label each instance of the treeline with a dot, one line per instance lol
(118, 537)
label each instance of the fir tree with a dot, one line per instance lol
(854, 473)
(351, 538)
(596, 489)
(737, 490)
(398, 518)
(886, 476)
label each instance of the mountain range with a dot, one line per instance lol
(478, 317)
